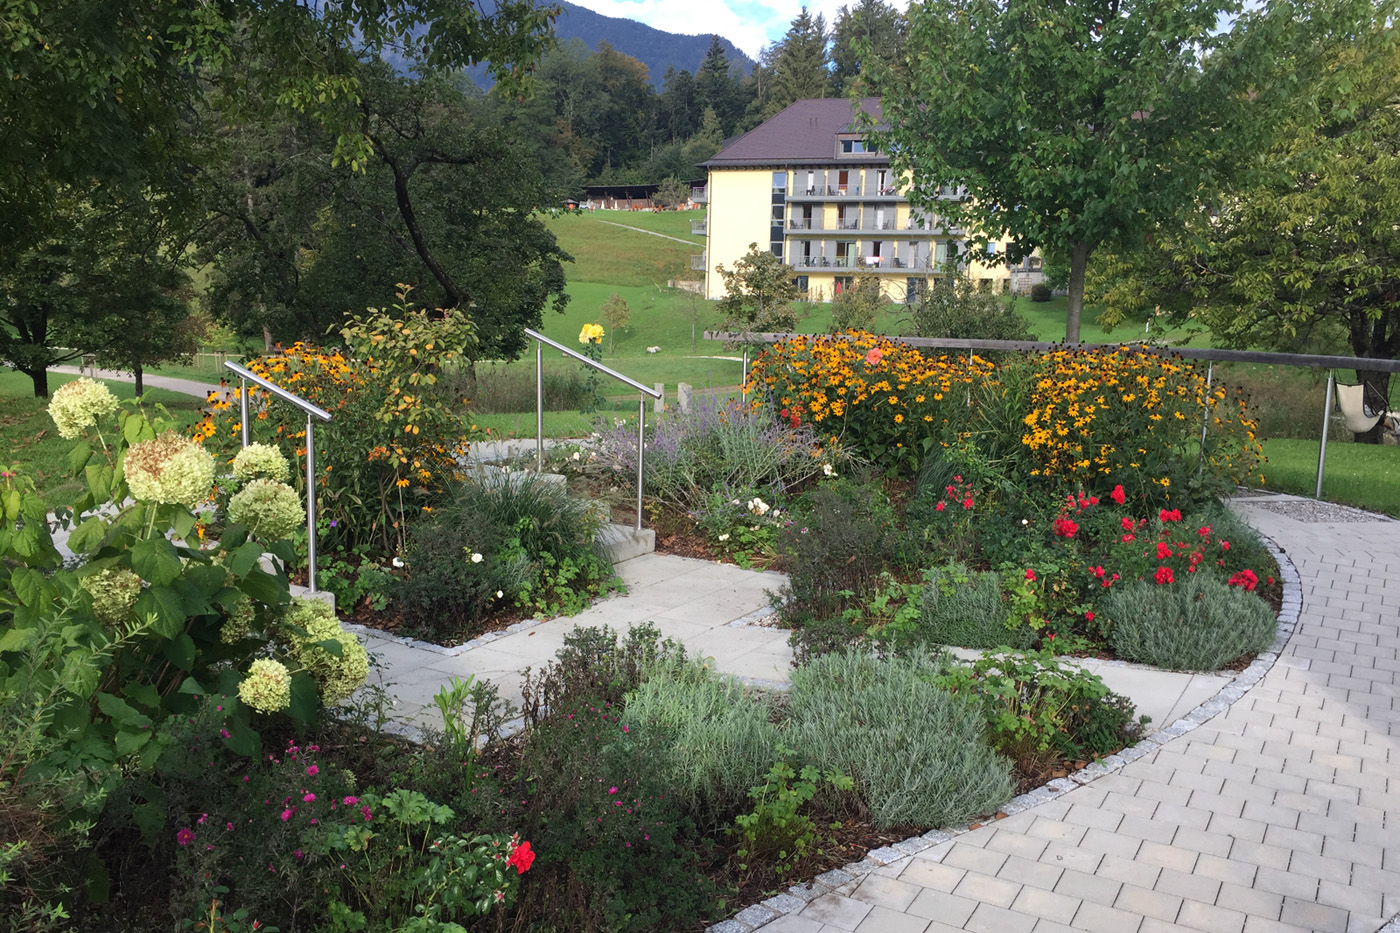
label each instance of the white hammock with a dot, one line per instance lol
(1356, 409)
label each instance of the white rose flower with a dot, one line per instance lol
(476, 558)
(724, 537)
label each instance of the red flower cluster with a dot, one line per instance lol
(521, 858)
(1173, 515)
(1118, 496)
(1064, 528)
(1163, 575)
(1245, 580)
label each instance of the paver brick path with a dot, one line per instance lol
(1281, 813)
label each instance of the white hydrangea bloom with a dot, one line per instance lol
(261, 461)
(76, 406)
(268, 686)
(169, 469)
(270, 509)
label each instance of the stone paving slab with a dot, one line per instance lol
(1272, 806)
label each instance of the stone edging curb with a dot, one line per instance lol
(752, 918)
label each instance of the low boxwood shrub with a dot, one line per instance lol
(1041, 292)
(1196, 624)
(964, 608)
(917, 753)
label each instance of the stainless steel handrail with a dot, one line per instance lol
(541, 340)
(312, 411)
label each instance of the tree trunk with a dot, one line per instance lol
(1079, 261)
(140, 379)
(40, 378)
(1377, 394)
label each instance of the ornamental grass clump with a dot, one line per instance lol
(917, 753)
(77, 406)
(1196, 624)
(270, 510)
(169, 469)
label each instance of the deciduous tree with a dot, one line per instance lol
(1081, 124)
(759, 294)
(1309, 258)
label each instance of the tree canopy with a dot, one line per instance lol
(1075, 125)
(1306, 258)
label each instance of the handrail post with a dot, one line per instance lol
(539, 407)
(310, 506)
(1205, 418)
(1326, 417)
(641, 447)
(243, 407)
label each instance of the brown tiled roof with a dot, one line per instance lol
(803, 132)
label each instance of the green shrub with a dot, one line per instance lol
(856, 308)
(616, 851)
(837, 550)
(1041, 292)
(595, 664)
(917, 754)
(1197, 624)
(774, 835)
(955, 307)
(963, 607)
(1040, 710)
(716, 739)
(500, 539)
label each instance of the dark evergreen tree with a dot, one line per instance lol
(801, 67)
(872, 24)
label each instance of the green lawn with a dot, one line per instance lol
(1363, 475)
(33, 444)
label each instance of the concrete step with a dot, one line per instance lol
(623, 542)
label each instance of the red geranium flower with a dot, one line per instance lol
(1163, 575)
(1164, 550)
(1064, 528)
(1118, 495)
(1030, 574)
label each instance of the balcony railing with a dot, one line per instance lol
(824, 262)
(698, 227)
(826, 191)
(697, 263)
(700, 195)
(806, 223)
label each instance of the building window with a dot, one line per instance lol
(777, 214)
(801, 283)
(842, 283)
(853, 145)
(780, 182)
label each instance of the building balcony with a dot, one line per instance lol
(700, 195)
(697, 263)
(805, 223)
(845, 192)
(824, 262)
(698, 227)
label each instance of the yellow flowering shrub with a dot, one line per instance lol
(1084, 419)
(394, 433)
(1100, 418)
(887, 399)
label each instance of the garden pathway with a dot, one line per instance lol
(1275, 807)
(169, 383)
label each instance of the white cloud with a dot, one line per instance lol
(748, 25)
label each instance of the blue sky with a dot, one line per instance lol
(749, 24)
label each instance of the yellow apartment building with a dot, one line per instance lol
(805, 185)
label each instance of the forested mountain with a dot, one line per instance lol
(657, 49)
